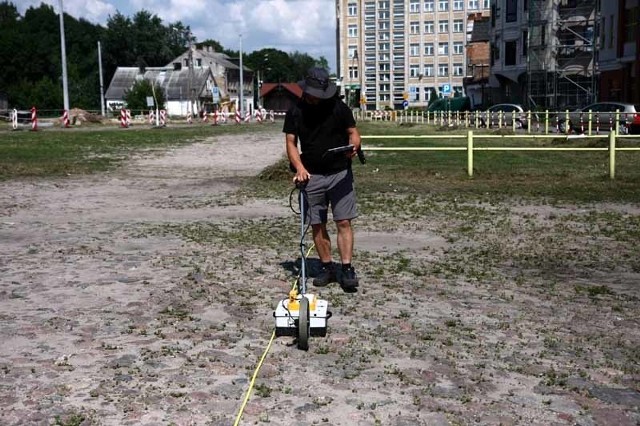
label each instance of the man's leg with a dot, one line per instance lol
(323, 246)
(345, 240)
(322, 242)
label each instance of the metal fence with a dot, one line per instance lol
(531, 122)
(470, 148)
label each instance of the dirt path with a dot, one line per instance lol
(144, 296)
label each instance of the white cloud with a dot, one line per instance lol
(289, 25)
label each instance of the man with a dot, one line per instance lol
(321, 121)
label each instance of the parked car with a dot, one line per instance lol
(509, 113)
(450, 104)
(604, 115)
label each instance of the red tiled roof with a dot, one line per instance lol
(291, 87)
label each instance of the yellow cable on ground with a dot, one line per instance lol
(264, 355)
(253, 379)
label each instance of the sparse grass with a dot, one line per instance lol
(61, 152)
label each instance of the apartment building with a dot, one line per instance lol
(398, 53)
(619, 51)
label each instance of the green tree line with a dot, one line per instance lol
(31, 73)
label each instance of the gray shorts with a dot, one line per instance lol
(336, 190)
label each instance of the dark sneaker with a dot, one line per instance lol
(325, 276)
(349, 278)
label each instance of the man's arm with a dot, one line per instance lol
(354, 139)
(302, 175)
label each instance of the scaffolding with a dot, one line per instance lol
(562, 53)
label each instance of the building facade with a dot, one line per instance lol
(619, 52)
(398, 53)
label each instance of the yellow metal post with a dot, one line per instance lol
(470, 153)
(546, 122)
(612, 154)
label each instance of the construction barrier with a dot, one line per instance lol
(65, 119)
(14, 119)
(258, 116)
(125, 118)
(272, 116)
(34, 119)
(163, 117)
(247, 117)
(189, 119)
(238, 117)
(152, 117)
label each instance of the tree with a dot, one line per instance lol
(136, 97)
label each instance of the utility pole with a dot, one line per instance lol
(101, 81)
(191, 88)
(63, 54)
(241, 84)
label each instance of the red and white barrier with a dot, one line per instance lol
(65, 119)
(247, 117)
(163, 117)
(34, 119)
(205, 117)
(258, 116)
(14, 119)
(125, 118)
(189, 119)
(152, 117)
(272, 116)
(238, 118)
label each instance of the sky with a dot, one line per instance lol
(306, 26)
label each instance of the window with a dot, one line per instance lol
(443, 48)
(352, 9)
(383, 67)
(383, 25)
(443, 5)
(458, 26)
(611, 27)
(414, 6)
(428, 27)
(352, 30)
(428, 5)
(458, 4)
(383, 47)
(525, 41)
(486, 4)
(428, 49)
(414, 70)
(495, 48)
(414, 27)
(458, 48)
(198, 62)
(352, 51)
(511, 14)
(414, 49)
(383, 4)
(383, 36)
(473, 4)
(443, 26)
(353, 73)
(383, 14)
(414, 93)
(443, 70)
(510, 49)
(630, 23)
(428, 70)
(384, 87)
(458, 70)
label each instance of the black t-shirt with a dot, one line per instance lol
(319, 128)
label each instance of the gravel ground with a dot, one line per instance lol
(144, 296)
